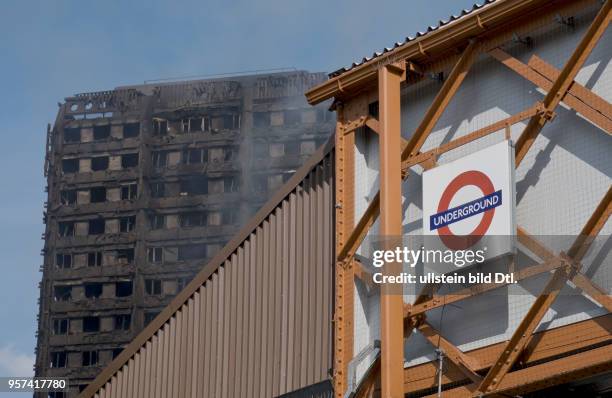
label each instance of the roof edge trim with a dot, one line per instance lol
(436, 42)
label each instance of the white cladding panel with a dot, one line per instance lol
(558, 185)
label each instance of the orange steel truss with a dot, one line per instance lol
(485, 371)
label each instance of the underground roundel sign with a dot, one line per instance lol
(470, 198)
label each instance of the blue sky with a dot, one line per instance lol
(53, 49)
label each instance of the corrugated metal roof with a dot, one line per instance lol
(441, 23)
(285, 253)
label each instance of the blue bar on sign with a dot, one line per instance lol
(466, 210)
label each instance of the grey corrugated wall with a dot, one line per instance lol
(261, 324)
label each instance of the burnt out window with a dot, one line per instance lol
(158, 221)
(94, 259)
(228, 217)
(155, 255)
(89, 358)
(149, 316)
(60, 326)
(195, 156)
(185, 125)
(99, 163)
(123, 321)
(101, 132)
(62, 293)
(230, 184)
(293, 116)
(96, 226)
(159, 158)
(68, 197)
(91, 324)
(230, 122)
(153, 287)
(129, 191)
(123, 289)
(160, 127)
(194, 186)
(59, 359)
(66, 228)
(131, 130)
(261, 119)
(125, 256)
(158, 189)
(191, 252)
(229, 154)
(63, 260)
(181, 283)
(207, 123)
(195, 124)
(127, 224)
(97, 195)
(193, 219)
(72, 134)
(70, 165)
(93, 290)
(129, 160)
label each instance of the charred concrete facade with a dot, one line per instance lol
(145, 183)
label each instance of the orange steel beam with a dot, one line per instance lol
(533, 244)
(464, 363)
(473, 136)
(343, 311)
(369, 217)
(577, 90)
(560, 87)
(565, 79)
(441, 300)
(590, 105)
(373, 124)
(545, 344)
(569, 368)
(591, 289)
(524, 331)
(551, 263)
(582, 243)
(391, 303)
(592, 227)
(447, 91)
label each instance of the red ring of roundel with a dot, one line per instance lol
(481, 181)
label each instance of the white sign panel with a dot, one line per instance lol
(470, 198)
